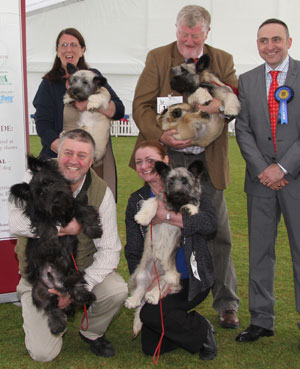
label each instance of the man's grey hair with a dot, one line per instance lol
(192, 15)
(78, 135)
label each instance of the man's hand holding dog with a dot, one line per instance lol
(212, 108)
(168, 139)
(72, 229)
(63, 300)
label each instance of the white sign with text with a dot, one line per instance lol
(12, 106)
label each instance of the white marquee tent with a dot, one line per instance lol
(119, 33)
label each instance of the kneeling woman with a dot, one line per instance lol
(183, 328)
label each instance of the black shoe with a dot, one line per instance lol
(100, 347)
(209, 349)
(253, 332)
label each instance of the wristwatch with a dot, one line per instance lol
(221, 112)
(168, 217)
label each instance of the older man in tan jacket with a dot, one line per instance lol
(193, 25)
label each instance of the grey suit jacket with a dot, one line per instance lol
(253, 131)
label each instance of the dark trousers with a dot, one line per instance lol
(225, 287)
(183, 328)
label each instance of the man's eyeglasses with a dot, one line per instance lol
(65, 45)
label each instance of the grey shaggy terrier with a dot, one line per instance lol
(87, 85)
(182, 190)
(201, 86)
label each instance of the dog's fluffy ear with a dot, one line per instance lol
(20, 194)
(71, 68)
(203, 63)
(37, 164)
(99, 81)
(196, 167)
(162, 169)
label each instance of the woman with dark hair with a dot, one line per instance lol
(183, 326)
(48, 102)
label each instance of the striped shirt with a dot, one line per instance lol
(283, 68)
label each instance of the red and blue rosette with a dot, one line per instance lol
(283, 95)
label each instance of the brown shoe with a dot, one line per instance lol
(229, 319)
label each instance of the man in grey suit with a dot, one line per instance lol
(272, 180)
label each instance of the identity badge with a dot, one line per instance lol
(164, 102)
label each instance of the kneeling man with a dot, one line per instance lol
(98, 258)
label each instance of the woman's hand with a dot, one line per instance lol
(161, 213)
(109, 112)
(81, 105)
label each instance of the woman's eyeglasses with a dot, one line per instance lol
(65, 45)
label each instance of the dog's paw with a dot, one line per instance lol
(231, 112)
(68, 99)
(97, 101)
(142, 219)
(86, 297)
(189, 209)
(147, 212)
(57, 325)
(152, 296)
(132, 302)
(94, 231)
(200, 96)
(232, 106)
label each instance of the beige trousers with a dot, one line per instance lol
(42, 345)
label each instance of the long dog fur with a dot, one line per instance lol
(182, 192)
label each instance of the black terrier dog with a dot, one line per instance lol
(48, 202)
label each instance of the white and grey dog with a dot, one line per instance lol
(182, 191)
(87, 85)
(202, 85)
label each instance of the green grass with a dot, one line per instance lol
(278, 352)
